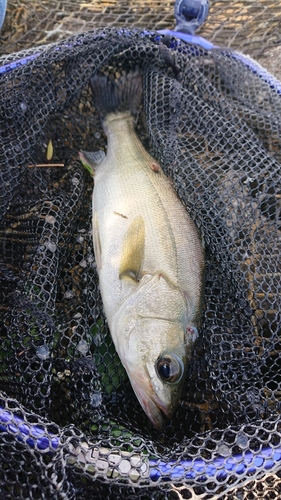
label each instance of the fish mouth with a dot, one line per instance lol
(156, 411)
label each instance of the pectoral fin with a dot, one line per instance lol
(96, 240)
(133, 250)
(90, 160)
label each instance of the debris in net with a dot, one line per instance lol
(83, 347)
(50, 219)
(96, 399)
(51, 246)
(43, 352)
(50, 150)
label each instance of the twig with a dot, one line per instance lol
(46, 165)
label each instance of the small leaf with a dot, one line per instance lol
(50, 150)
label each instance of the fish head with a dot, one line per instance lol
(155, 350)
(156, 367)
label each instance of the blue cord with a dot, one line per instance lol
(19, 62)
(188, 38)
(33, 435)
(219, 468)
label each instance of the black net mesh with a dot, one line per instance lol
(69, 420)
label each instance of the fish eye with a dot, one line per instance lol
(169, 368)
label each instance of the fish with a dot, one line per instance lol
(148, 252)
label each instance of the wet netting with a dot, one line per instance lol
(70, 424)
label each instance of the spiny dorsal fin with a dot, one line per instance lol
(133, 250)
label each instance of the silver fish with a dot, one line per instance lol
(148, 252)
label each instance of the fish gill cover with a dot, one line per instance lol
(70, 423)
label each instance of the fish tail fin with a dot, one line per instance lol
(122, 94)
